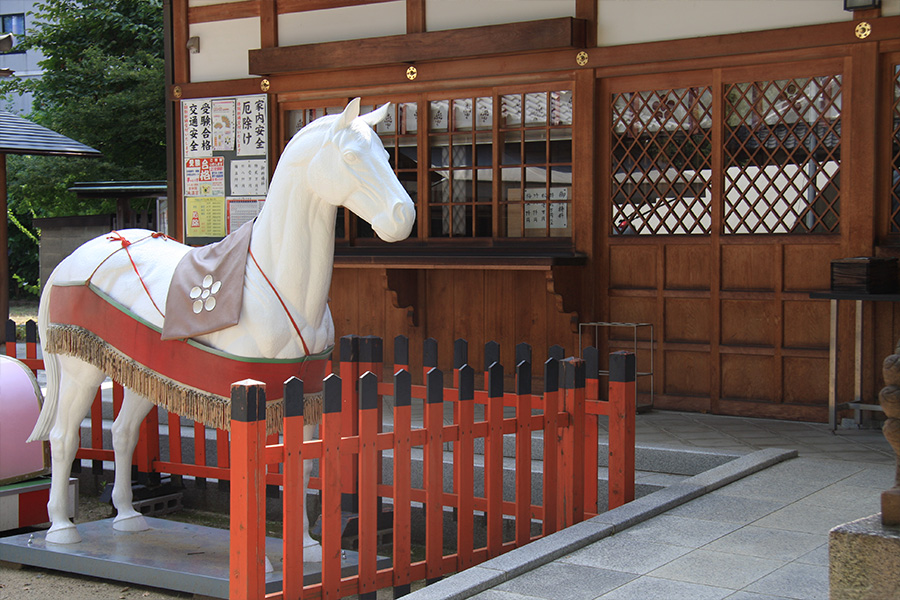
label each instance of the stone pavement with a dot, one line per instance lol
(720, 534)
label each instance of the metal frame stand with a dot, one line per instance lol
(596, 325)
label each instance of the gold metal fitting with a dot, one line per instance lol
(412, 73)
(264, 85)
(176, 91)
(581, 58)
(863, 30)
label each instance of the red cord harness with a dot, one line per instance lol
(115, 236)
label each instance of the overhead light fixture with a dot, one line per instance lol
(193, 44)
(6, 42)
(852, 5)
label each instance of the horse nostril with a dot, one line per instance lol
(402, 212)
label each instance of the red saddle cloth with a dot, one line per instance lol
(166, 365)
(185, 362)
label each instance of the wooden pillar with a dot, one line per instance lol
(415, 16)
(268, 23)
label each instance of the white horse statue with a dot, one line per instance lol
(284, 320)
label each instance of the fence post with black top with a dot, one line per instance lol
(622, 373)
(248, 491)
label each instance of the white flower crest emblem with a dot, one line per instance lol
(205, 296)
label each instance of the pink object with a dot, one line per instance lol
(20, 404)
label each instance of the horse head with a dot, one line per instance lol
(352, 170)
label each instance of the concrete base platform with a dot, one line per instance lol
(174, 556)
(864, 560)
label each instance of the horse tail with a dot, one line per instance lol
(51, 367)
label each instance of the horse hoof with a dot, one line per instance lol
(312, 553)
(131, 523)
(66, 534)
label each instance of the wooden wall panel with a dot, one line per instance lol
(499, 320)
(749, 323)
(687, 320)
(805, 380)
(749, 377)
(440, 313)
(632, 266)
(746, 267)
(372, 301)
(530, 309)
(687, 267)
(623, 309)
(468, 321)
(806, 324)
(808, 267)
(685, 373)
(344, 302)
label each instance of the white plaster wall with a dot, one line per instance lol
(635, 21)
(347, 23)
(223, 49)
(454, 14)
(224, 44)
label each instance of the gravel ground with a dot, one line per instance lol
(33, 583)
(18, 581)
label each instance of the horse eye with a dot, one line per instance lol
(351, 157)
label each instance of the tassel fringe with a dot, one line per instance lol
(210, 409)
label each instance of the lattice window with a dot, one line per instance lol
(895, 155)
(398, 135)
(661, 145)
(536, 164)
(782, 156)
(460, 167)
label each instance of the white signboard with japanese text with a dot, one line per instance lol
(252, 126)
(225, 163)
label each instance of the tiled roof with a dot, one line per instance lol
(21, 136)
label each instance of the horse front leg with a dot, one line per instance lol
(125, 432)
(77, 387)
(312, 550)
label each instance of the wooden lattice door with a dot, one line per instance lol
(724, 212)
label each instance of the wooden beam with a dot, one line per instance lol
(289, 6)
(268, 23)
(415, 16)
(456, 43)
(253, 8)
(587, 10)
(223, 12)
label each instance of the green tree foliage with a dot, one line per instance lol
(103, 85)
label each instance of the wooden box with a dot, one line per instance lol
(864, 274)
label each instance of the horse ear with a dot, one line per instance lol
(349, 114)
(376, 116)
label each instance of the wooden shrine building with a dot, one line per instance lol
(694, 165)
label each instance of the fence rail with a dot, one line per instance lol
(352, 444)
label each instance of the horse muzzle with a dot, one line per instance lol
(395, 224)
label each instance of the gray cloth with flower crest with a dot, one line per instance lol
(207, 287)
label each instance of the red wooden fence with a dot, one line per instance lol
(561, 413)
(352, 444)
